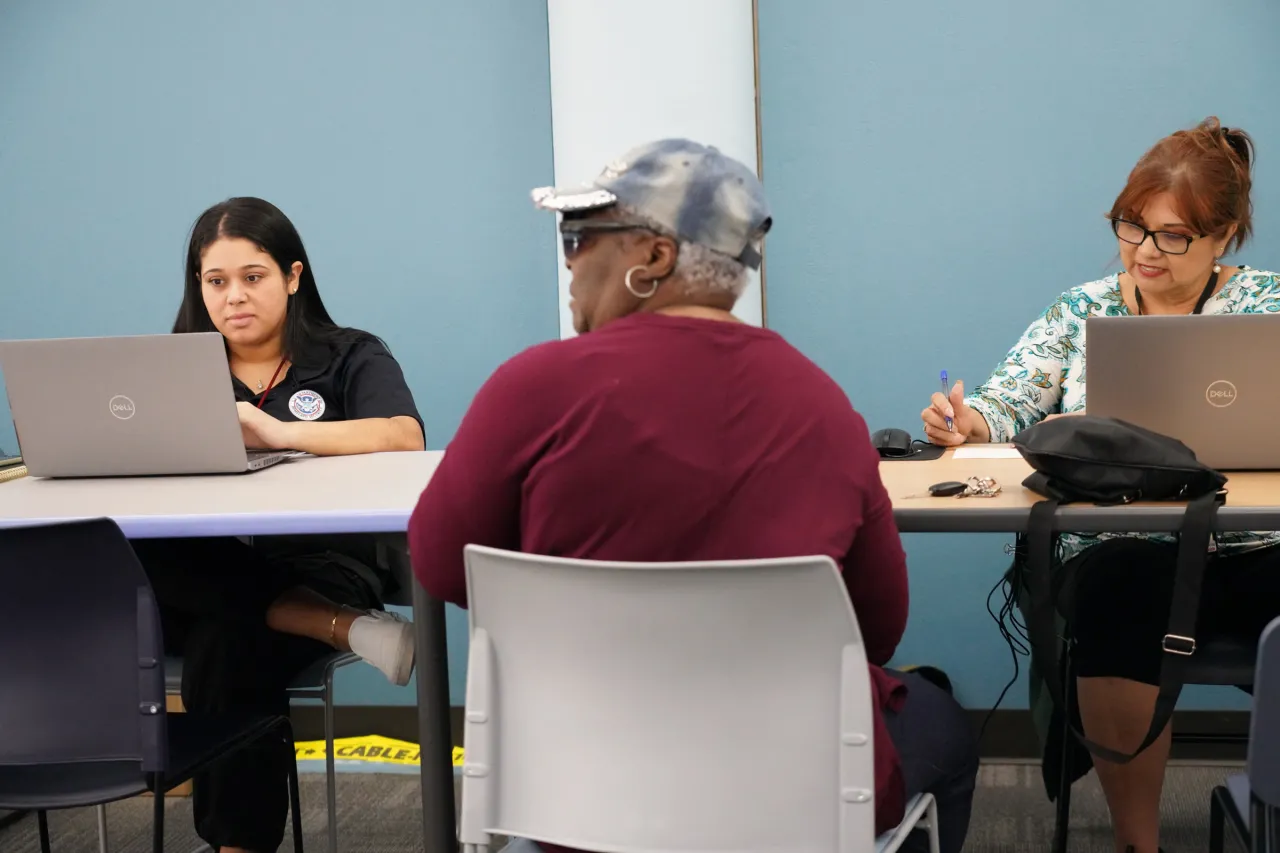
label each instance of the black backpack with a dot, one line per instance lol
(1108, 461)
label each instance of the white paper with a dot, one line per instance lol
(990, 451)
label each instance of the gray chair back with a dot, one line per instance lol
(589, 681)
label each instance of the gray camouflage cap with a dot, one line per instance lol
(692, 190)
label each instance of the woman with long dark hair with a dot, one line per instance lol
(247, 618)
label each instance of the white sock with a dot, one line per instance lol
(384, 640)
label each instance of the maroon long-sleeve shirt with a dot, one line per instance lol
(663, 438)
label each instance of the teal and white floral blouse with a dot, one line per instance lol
(1044, 373)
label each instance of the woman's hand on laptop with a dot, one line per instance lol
(260, 430)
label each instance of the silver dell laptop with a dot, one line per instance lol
(1206, 380)
(126, 406)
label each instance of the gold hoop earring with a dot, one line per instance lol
(626, 281)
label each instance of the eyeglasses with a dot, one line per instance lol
(573, 235)
(1166, 241)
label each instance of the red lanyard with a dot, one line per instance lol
(272, 383)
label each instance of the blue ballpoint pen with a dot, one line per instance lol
(946, 392)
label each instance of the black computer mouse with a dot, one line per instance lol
(892, 443)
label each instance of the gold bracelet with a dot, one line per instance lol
(15, 473)
(333, 628)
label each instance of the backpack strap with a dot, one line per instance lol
(1179, 641)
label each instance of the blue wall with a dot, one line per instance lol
(401, 137)
(938, 174)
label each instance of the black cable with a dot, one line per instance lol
(1010, 612)
(1015, 637)
(1021, 630)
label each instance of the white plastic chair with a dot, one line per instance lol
(669, 708)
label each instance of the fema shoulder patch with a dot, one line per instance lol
(306, 405)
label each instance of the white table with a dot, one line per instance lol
(1253, 501)
(373, 493)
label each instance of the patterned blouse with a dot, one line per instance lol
(1044, 373)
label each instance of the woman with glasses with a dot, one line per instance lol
(1186, 205)
(669, 430)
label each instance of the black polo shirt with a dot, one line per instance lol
(344, 381)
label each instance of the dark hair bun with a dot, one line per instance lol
(1240, 143)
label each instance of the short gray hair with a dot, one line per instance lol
(701, 268)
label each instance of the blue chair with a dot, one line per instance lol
(313, 683)
(82, 710)
(1250, 801)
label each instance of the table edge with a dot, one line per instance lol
(1078, 518)
(294, 523)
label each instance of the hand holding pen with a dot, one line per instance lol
(948, 421)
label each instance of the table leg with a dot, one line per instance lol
(439, 816)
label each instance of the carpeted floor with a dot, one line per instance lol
(1011, 813)
(380, 814)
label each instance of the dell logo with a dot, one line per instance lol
(1220, 394)
(121, 407)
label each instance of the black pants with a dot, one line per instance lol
(214, 595)
(1124, 591)
(939, 755)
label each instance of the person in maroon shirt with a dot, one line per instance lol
(670, 430)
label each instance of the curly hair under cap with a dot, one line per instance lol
(702, 270)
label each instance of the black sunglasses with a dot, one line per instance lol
(573, 235)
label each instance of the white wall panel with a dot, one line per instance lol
(625, 72)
